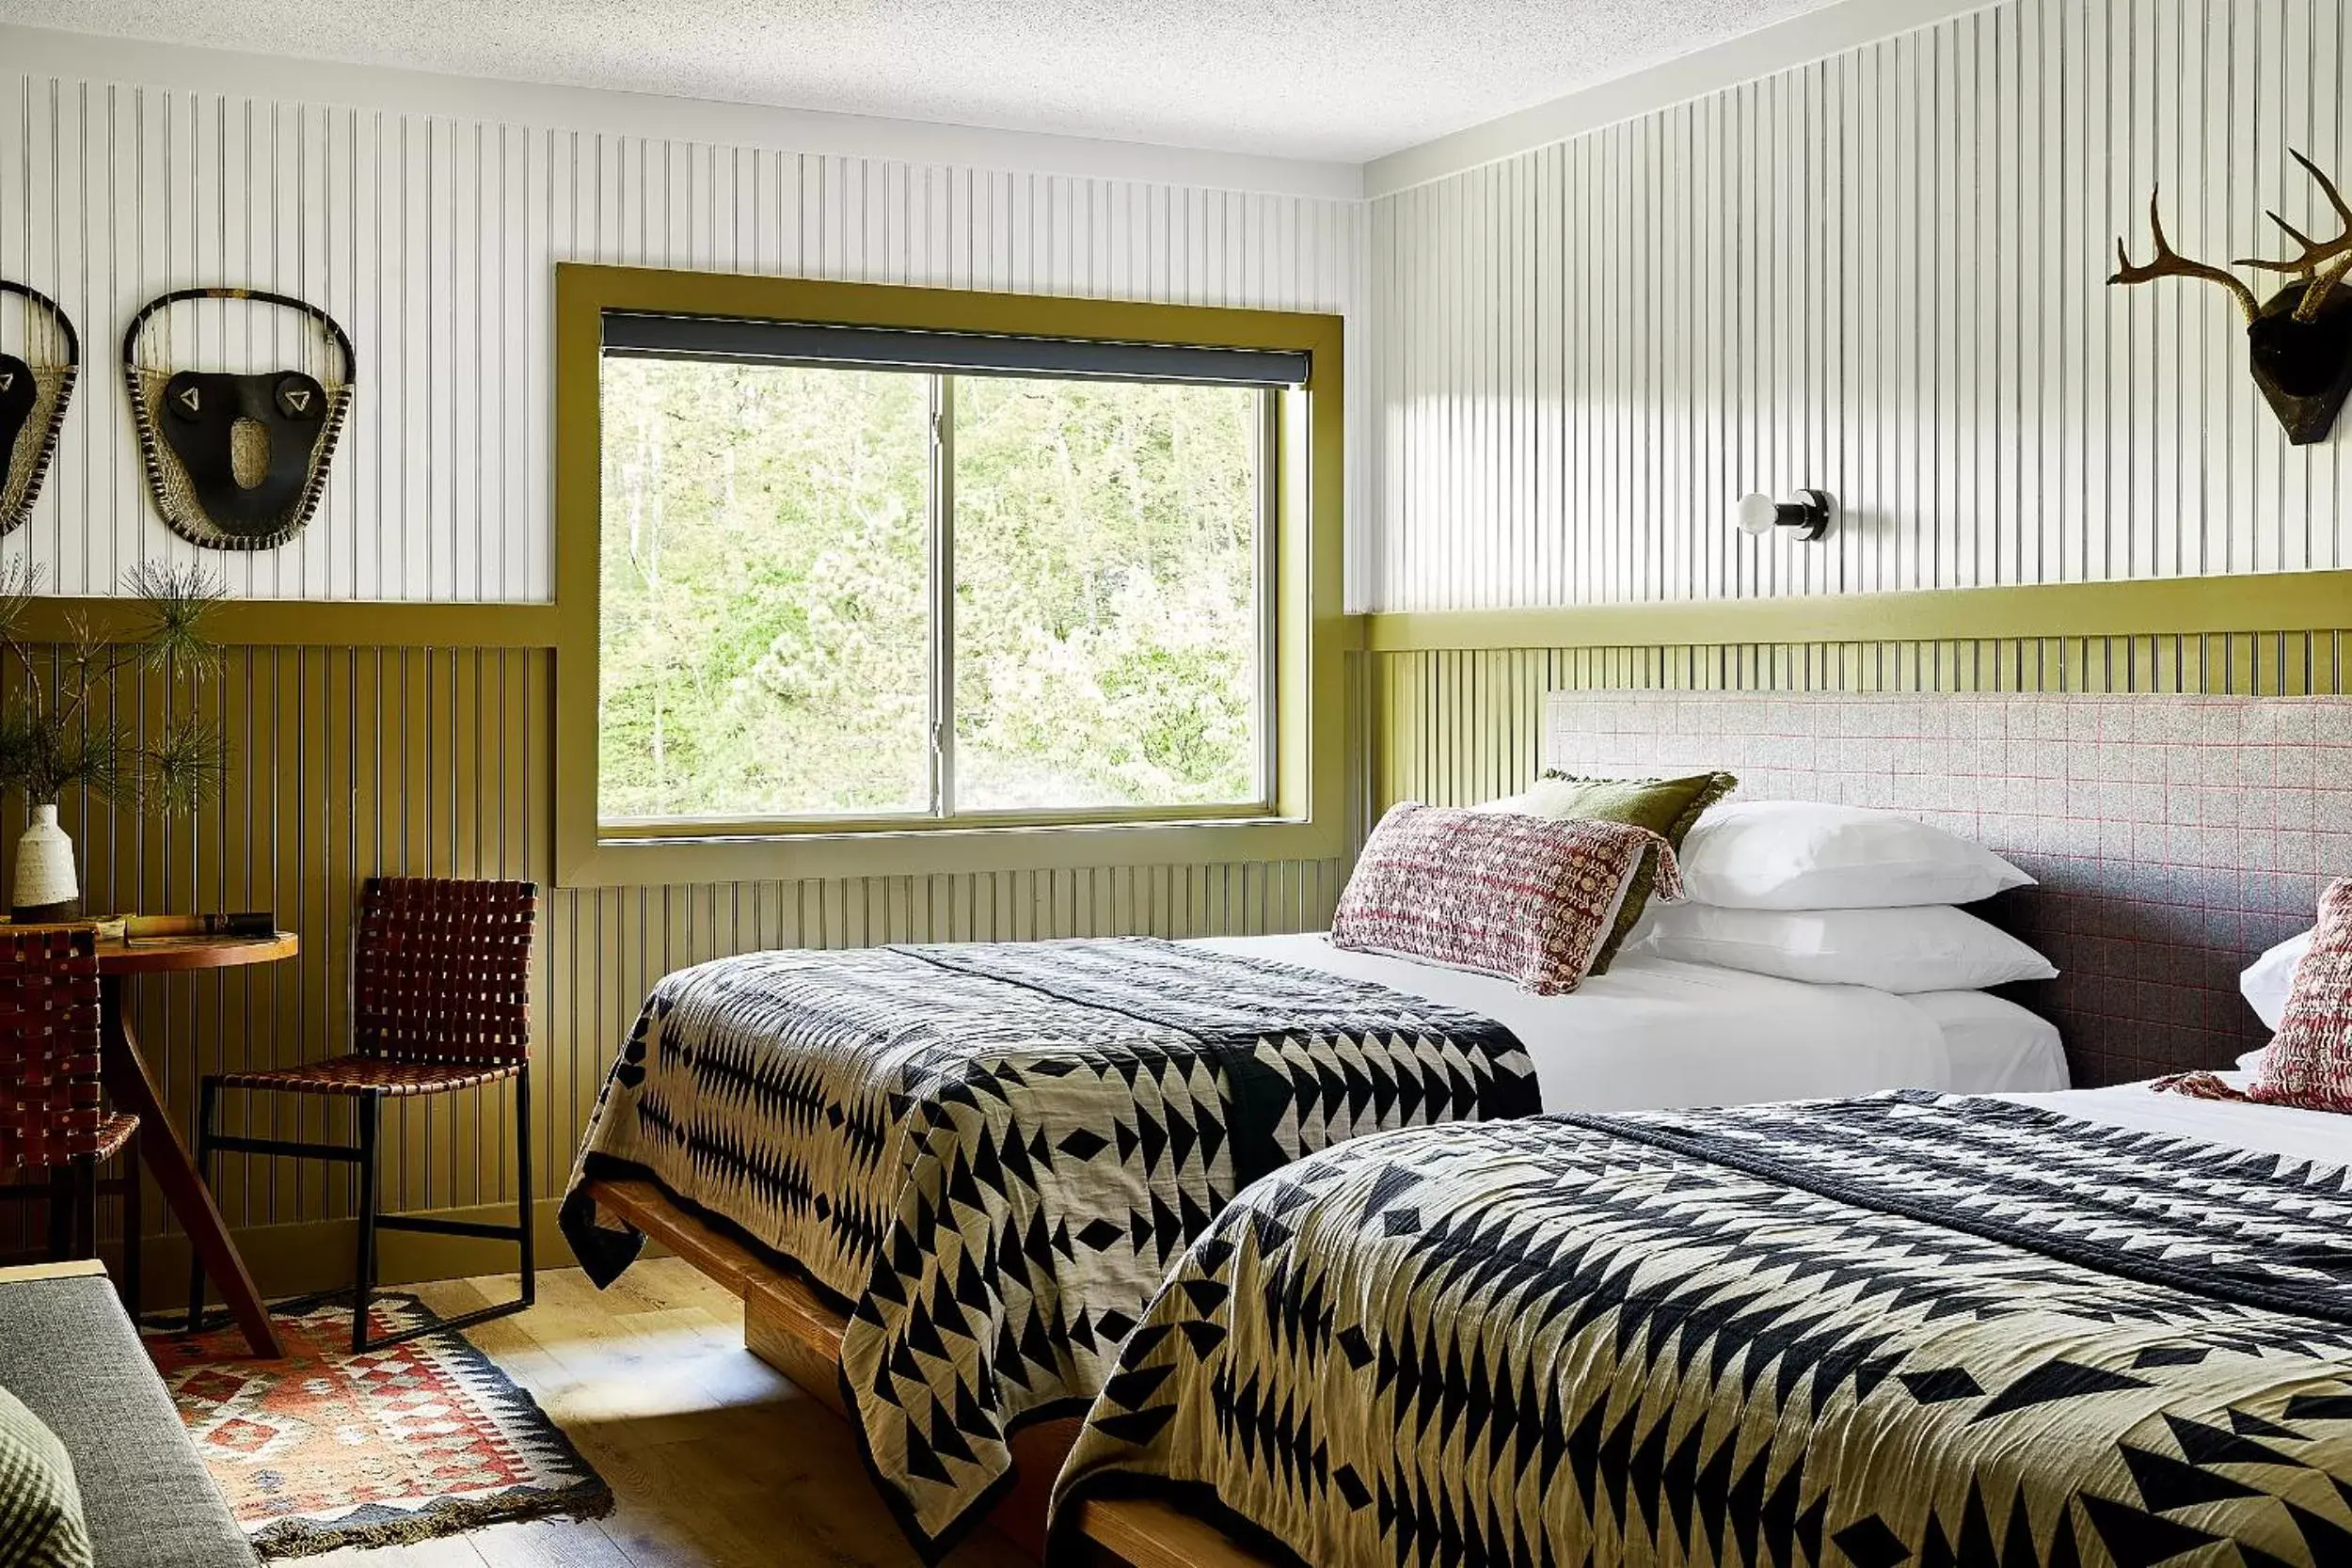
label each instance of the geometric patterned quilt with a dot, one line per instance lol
(1904, 1330)
(990, 1153)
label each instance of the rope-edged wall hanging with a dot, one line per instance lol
(35, 388)
(236, 460)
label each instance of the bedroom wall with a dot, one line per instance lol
(1882, 273)
(427, 214)
(1454, 732)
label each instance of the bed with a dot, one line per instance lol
(977, 1162)
(1072, 1137)
(2175, 839)
(2102, 1326)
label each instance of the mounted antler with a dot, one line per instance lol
(2171, 263)
(2299, 343)
(2324, 263)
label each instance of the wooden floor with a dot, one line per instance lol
(713, 1457)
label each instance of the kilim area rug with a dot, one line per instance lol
(325, 1450)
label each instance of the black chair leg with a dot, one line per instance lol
(524, 1204)
(207, 1107)
(363, 1279)
(61, 1196)
(85, 1205)
(134, 1222)
(522, 1232)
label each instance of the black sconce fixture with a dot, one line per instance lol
(1808, 513)
(2300, 341)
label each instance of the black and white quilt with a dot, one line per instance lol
(991, 1153)
(1947, 1332)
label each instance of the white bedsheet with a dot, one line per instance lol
(1655, 1034)
(2320, 1136)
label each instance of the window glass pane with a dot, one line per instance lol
(1106, 628)
(765, 607)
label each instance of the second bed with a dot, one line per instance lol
(2096, 1328)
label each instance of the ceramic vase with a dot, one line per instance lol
(45, 887)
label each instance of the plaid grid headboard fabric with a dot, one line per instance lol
(2174, 837)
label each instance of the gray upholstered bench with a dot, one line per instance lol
(68, 1350)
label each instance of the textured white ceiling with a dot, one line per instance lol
(1344, 80)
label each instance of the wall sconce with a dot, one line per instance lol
(1808, 513)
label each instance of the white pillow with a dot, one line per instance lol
(2268, 980)
(1997, 1047)
(1935, 947)
(1799, 855)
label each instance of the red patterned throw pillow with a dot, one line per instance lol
(1528, 899)
(2309, 1065)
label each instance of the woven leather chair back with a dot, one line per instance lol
(442, 970)
(50, 1110)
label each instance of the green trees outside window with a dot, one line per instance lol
(846, 592)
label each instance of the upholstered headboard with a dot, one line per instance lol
(2174, 837)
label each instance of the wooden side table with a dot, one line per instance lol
(133, 1087)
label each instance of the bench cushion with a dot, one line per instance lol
(40, 1512)
(68, 1352)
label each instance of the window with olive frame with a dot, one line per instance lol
(870, 576)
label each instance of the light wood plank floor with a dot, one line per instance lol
(714, 1459)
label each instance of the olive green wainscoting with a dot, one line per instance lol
(349, 761)
(1455, 726)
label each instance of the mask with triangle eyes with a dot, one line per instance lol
(237, 461)
(36, 389)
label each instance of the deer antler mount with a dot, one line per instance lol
(2299, 340)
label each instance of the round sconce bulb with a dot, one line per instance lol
(1756, 515)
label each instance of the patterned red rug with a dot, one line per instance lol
(325, 1450)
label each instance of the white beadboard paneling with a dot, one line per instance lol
(433, 238)
(1882, 273)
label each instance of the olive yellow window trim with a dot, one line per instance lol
(2169, 607)
(2255, 602)
(307, 623)
(1308, 815)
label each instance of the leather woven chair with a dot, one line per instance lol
(53, 1122)
(441, 1002)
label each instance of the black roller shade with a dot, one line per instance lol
(639, 336)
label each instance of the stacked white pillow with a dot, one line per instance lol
(2266, 984)
(1840, 896)
(2270, 979)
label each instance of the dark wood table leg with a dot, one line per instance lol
(134, 1089)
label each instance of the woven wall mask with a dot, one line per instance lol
(37, 378)
(236, 460)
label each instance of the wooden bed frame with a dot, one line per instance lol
(793, 1329)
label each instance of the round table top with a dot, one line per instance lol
(177, 954)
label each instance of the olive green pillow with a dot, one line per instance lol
(40, 1507)
(1667, 807)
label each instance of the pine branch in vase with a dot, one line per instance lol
(79, 719)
